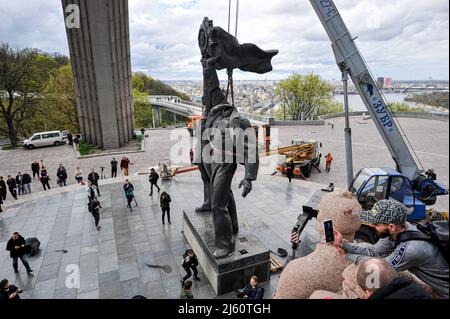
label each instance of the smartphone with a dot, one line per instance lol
(329, 232)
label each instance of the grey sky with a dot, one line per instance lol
(404, 39)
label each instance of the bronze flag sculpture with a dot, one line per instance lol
(226, 138)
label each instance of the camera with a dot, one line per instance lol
(309, 211)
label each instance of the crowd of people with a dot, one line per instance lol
(21, 184)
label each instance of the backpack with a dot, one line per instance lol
(434, 232)
(32, 246)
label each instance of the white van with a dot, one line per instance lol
(44, 139)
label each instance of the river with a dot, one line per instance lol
(356, 104)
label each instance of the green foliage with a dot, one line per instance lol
(85, 148)
(437, 99)
(146, 84)
(21, 85)
(36, 93)
(143, 86)
(10, 148)
(58, 108)
(142, 109)
(331, 108)
(306, 94)
(404, 107)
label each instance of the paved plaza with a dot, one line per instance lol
(113, 262)
(430, 139)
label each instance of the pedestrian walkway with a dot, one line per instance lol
(113, 262)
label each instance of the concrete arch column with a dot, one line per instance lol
(156, 117)
(101, 66)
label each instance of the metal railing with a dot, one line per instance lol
(188, 107)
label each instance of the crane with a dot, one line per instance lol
(407, 183)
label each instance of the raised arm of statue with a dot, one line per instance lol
(211, 86)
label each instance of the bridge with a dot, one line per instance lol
(422, 89)
(187, 108)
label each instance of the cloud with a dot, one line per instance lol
(405, 39)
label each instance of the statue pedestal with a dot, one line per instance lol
(233, 272)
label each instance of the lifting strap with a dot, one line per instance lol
(230, 85)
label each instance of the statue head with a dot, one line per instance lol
(343, 209)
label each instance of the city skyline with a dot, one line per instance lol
(402, 39)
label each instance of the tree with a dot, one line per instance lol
(21, 85)
(142, 109)
(303, 94)
(143, 86)
(144, 83)
(58, 107)
(331, 108)
(436, 99)
(404, 107)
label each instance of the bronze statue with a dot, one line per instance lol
(223, 126)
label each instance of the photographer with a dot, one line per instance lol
(94, 208)
(252, 291)
(114, 164)
(153, 179)
(128, 188)
(190, 262)
(16, 248)
(422, 258)
(61, 173)
(9, 292)
(165, 206)
(93, 177)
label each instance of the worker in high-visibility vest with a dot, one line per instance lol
(329, 159)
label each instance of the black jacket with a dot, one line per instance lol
(35, 167)
(93, 177)
(401, 288)
(129, 189)
(254, 293)
(26, 179)
(95, 207)
(61, 173)
(44, 175)
(188, 261)
(4, 294)
(19, 180)
(2, 187)
(11, 183)
(165, 201)
(153, 177)
(12, 244)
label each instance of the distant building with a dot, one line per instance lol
(385, 83)
(198, 100)
(388, 83)
(380, 82)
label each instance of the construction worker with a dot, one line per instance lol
(290, 170)
(329, 159)
(191, 156)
